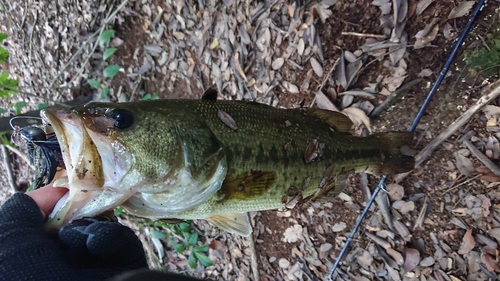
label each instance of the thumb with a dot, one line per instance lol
(46, 197)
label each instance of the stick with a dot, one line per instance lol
(490, 93)
(8, 170)
(378, 36)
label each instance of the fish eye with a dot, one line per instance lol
(123, 118)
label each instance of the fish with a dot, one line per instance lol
(209, 159)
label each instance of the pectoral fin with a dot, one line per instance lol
(236, 223)
(337, 120)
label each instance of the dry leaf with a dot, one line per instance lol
(365, 260)
(491, 111)
(358, 117)
(427, 35)
(425, 72)
(227, 119)
(323, 102)
(339, 226)
(428, 261)
(292, 234)
(467, 244)
(449, 32)
(398, 75)
(495, 233)
(318, 69)
(464, 164)
(341, 73)
(384, 5)
(422, 5)
(291, 87)
(407, 207)
(395, 255)
(461, 10)
(412, 259)
(313, 151)
(395, 191)
(490, 262)
(402, 230)
(278, 63)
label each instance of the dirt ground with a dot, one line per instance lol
(452, 203)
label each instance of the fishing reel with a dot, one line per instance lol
(44, 151)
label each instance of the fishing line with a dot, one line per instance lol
(479, 7)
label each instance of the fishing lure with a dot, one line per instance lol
(44, 152)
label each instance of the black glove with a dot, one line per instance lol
(88, 249)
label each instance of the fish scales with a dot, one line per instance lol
(216, 160)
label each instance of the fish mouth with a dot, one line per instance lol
(89, 155)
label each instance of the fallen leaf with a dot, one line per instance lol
(402, 230)
(491, 111)
(428, 261)
(461, 10)
(292, 88)
(412, 259)
(358, 117)
(278, 63)
(339, 226)
(292, 234)
(425, 72)
(395, 255)
(422, 5)
(426, 35)
(449, 32)
(407, 207)
(365, 260)
(313, 151)
(495, 233)
(490, 262)
(318, 69)
(464, 164)
(467, 244)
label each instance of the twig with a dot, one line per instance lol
(392, 97)
(421, 215)
(490, 93)
(20, 155)
(98, 34)
(253, 258)
(378, 36)
(487, 162)
(462, 183)
(8, 170)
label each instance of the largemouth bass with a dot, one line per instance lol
(209, 159)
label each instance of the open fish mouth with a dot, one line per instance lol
(94, 166)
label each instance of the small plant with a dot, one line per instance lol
(183, 238)
(109, 71)
(486, 59)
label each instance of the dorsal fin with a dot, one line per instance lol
(337, 120)
(210, 94)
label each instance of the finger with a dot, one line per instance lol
(46, 197)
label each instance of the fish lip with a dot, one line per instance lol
(67, 209)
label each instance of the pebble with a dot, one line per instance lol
(284, 263)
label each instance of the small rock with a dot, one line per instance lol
(272, 259)
(284, 263)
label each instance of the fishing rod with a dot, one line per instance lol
(479, 7)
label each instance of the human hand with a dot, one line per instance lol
(89, 249)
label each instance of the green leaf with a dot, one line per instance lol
(42, 106)
(19, 105)
(94, 83)
(192, 240)
(149, 96)
(118, 211)
(160, 223)
(111, 70)
(5, 140)
(185, 227)
(2, 111)
(3, 36)
(105, 36)
(158, 234)
(104, 93)
(206, 261)
(202, 248)
(191, 260)
(3, 55)
(108, 53)
(177, 247)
